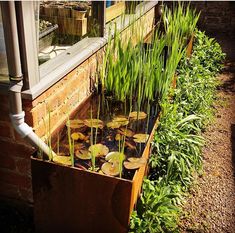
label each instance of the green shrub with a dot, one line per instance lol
(177, 143)
(156, 209)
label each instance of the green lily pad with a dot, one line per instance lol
(115, 156)
(99, 150)
(78, 136)
(64, 160)
(137, 115)
(123, 121)
(113, 125)
(134, 163)
(126, 132)
(94, 123)
(83, 154)
(141, 138)
(111, 169)
(75, 124)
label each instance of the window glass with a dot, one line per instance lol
(119, 11)
(114, 9)
(118, 8)
(61, 24)
(3, 59)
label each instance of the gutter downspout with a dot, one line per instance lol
(16, 80)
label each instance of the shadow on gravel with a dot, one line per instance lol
(228, 85)
(233, 146)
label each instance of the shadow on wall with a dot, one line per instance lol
(217, 17)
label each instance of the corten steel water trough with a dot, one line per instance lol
(68, 199)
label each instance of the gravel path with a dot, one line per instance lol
(211, 204)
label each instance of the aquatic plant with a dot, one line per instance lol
(70, 141)
(47, 126)
(132, 72)
(178, 142)
(180, 21)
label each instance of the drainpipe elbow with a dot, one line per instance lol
(19, 125)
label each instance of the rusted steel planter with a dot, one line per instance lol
(73, 200)
(189, 49)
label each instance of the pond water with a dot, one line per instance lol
(120, 128)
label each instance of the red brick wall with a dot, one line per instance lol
(15, 177)
(62, 98)
(217, 17)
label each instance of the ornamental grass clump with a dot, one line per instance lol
(131, 72)
(180, 22)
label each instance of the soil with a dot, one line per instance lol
(210, 206)
(107, 110)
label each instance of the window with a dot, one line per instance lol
(61, 24)
(56, 36)
(121, 14)
(3, 60)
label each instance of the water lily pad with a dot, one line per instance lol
(121, 120)
(139, 160)
(94, 123)
(111, 169)
(118, 137)
(77, 146)
(115, 156)
(126, 132)
(137, 115)
(134, 163)
(99, 150)
(64, 160)
(141, 138)
(113, 125)
(124, 123)
(78, 136)
(75, 124)
(83, 154)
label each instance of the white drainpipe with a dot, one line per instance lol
(16, 80)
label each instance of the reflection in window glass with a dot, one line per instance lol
(120, 10)
(62, 24)
(3, 59)
(114, 9)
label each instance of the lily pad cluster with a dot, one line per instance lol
(85, 148)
